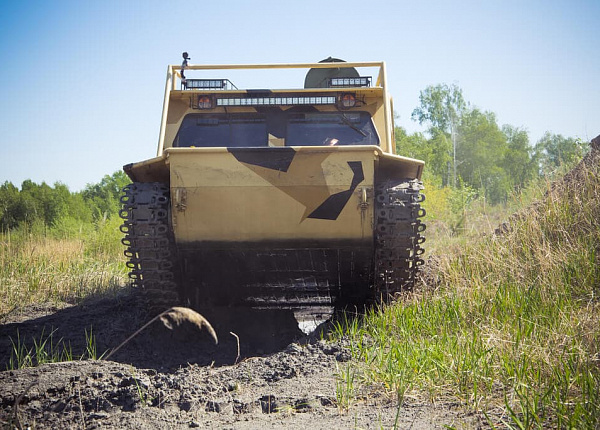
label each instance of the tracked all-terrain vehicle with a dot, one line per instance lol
(287, 198)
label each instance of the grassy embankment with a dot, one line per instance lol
(512, 329)
(65, 263)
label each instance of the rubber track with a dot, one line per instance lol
(147, 240)
(398, 236)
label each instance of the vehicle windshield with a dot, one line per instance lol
(276, 128)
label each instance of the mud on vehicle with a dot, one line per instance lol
(285, 198)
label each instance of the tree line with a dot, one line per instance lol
(51, 205)
(465, 146)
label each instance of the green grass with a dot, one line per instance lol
(64, 264)
(45, 265)
(345, 385)
(513, 329)
(47, 349)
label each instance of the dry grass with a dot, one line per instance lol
(45, 269)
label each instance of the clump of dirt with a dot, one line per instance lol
(264, 371)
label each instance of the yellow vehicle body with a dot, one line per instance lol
(260, 208)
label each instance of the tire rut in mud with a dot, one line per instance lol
(282, 379)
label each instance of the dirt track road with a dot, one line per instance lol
(165, 379)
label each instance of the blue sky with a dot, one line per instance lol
(81, 83)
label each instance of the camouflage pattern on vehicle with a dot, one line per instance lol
(285, 198)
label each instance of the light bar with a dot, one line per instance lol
(363, 81)
(205, 83)
(276, 101)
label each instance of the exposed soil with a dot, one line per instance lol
(181, 379)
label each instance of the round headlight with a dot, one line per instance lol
(347, 101)
(205, 102)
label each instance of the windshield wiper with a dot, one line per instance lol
(346, 121)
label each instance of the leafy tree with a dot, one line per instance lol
(435, 152)
(442, 158)
(43, 202)
(48, 206)
(442, 106)
(9, 200)
(519, 161)
(79, 209)
(414, 145)
(103, 197)
(555, 150)
(481, 153)
(29, 206)
(467, 148)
